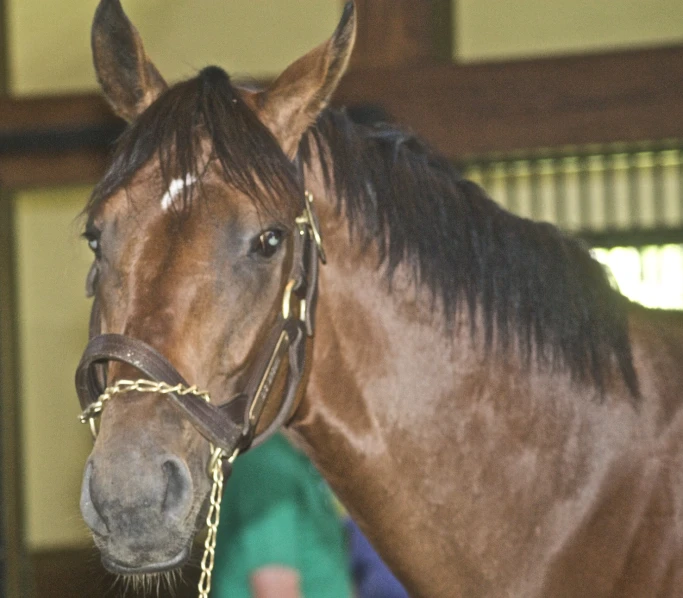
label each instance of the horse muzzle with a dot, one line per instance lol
(142, 512)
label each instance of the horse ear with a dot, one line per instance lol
(296, 98)
(128, 78)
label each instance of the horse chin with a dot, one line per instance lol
(152, 555)
(147, 569)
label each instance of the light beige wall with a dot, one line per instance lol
(504, 29)
(50, 41)
(53, 331)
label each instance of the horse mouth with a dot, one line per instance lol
(120, 569)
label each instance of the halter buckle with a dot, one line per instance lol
(287, 305)
(310, 219)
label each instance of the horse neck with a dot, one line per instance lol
(353, 396)
(408, 422)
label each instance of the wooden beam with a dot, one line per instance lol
(464, 111)
(61, 140)
(44, 169)
(629, 96)
(13, 562)
(55, 113)
(395, 32)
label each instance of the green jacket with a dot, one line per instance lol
(277, 509)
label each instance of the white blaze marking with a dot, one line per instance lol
(174, 189)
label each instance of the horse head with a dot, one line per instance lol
(194, 232)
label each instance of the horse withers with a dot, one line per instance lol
(498, 419)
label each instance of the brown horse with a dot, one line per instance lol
(496, 417)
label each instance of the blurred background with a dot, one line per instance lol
(569, 111)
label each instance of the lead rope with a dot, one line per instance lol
(213, 518)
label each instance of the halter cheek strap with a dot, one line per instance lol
(230, 426)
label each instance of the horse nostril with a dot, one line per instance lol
(178, 498)
(89, 509)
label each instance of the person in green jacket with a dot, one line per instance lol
(280, 533)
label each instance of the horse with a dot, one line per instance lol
(495, 415)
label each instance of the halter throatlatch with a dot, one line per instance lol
(230, 427)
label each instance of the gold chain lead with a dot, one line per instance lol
(212, 520)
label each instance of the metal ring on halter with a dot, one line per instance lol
(93, 427)
(314, 224)
(287, 298)
(218, 454)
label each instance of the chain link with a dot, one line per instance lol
(142, 385)
(212, 521)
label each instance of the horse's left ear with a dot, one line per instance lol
(296, 98)
(128, 78)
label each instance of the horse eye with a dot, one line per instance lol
(267, 243)
(93, 242)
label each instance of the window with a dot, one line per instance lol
(627, 205)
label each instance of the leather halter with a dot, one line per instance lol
(230, 426)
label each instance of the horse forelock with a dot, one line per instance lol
(532, 288)
(199, 121)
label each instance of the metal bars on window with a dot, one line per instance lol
(593, 193)
(627, 204)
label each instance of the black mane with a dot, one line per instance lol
(526, 281)
(531, 286)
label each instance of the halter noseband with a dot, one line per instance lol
(231, 426)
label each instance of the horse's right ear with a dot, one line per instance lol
(128, 78)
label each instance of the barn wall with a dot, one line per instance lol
(500, 30)
(50, 41)
(53, 328)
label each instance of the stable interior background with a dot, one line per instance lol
(48, 53)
